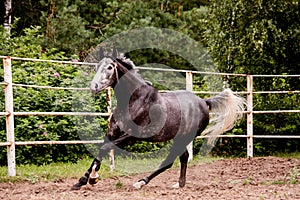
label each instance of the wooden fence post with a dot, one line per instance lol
(109, 110)
(189, 87)
(10, 135)
(250, 116)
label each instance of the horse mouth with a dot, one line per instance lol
(97, 89)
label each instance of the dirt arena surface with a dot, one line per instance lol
(255, 178)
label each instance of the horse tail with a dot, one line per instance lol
(226, 109)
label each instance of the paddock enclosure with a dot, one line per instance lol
(242, 178)
(250, 91)
(10, 114)
(257, 178)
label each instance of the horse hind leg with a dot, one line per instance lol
(183, 162)
(176, 150)
(166, 164)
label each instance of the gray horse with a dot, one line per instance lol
(144, 114)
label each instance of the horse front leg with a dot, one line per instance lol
(95, 166)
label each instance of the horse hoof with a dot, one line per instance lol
(77, 186)
(93, 181)
(179, 185)
(139, 184)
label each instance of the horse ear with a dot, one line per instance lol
(101, 53)
(115, 53)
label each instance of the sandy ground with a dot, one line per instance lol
(255, 178)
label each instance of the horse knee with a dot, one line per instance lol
(104, 149)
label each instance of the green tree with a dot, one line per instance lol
(261, 37)
(255, 37)
(74, 26)
(65, 28)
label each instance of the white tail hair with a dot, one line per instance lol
(227, 109)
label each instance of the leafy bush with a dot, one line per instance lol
(46, 128)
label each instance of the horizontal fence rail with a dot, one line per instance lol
(20, 143)
(60, 114)
(49, 87)
(9, 114)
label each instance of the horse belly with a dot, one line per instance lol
(169, 129)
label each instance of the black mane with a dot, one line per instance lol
(130, 66)
(127, 64)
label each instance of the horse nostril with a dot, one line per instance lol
(94, 86)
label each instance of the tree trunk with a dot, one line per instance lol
(7, 17)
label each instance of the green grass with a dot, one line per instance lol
(34, 173)
(288, 155)
(123, 167)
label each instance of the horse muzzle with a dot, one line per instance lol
(96, 88)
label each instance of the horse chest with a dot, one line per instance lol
(142, 123)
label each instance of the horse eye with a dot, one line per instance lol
(109, 67)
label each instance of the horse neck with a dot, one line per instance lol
(128, 82)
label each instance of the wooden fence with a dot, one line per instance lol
(10, 114)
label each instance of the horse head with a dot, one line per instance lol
(109, 70)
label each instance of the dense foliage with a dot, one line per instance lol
(44, 128)
(250, 37)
